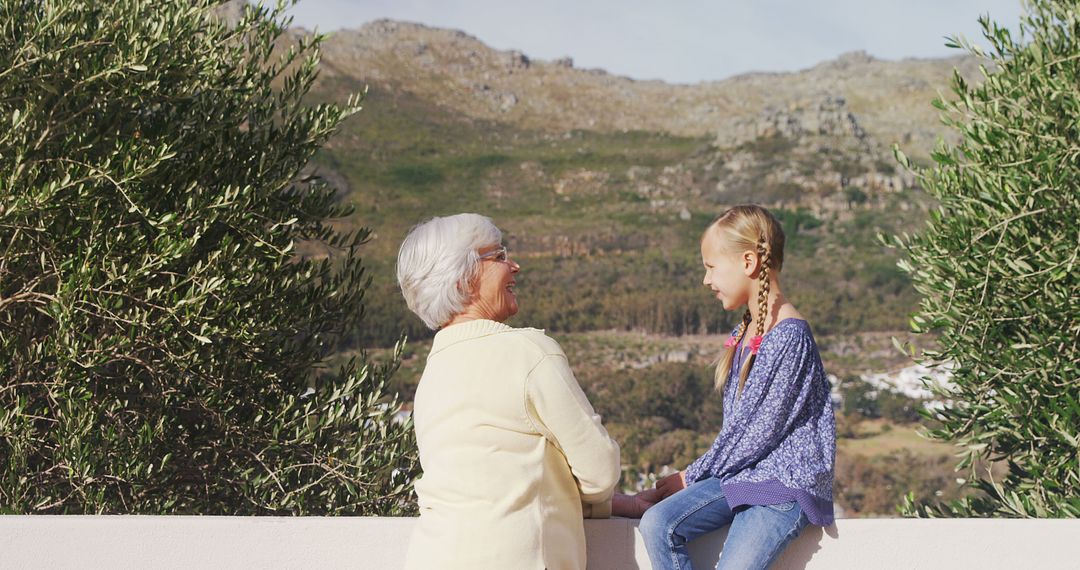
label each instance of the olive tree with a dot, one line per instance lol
(996, 266)
(171, 286)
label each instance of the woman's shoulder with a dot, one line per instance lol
(495, 338)
(519, 341)
(537, 339)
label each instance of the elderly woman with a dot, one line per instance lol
(512, 452)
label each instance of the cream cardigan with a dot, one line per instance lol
(512, 452)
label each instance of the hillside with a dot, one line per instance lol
(890, 99)
(603, 185)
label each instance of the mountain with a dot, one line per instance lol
(603, 184)
(889, 98)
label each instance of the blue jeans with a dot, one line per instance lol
(758, 534)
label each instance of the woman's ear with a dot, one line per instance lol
(469, 287)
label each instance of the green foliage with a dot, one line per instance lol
(666, 414)
(660, 292)
(417, 175)
(795, 221)
(855, 196)
(997, 268)
(863, 400)
(161, 341)
(874, 486)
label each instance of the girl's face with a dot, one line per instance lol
(727, 274)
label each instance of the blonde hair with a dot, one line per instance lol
(741, 228)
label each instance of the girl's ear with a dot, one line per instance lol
(750, 263)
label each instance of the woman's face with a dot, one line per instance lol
(727, 274)
(494, 296)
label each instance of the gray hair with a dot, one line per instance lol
(438, 261)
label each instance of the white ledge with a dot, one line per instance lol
(366, 542)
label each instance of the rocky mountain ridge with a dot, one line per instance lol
(888, 100)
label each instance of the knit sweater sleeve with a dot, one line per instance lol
(559, 409)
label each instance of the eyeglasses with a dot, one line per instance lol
(501, 254)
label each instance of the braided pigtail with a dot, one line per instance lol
(723, 368)
(763, 308)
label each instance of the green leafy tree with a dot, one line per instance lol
(997, 268)
(162, 341)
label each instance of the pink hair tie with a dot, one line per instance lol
(731, 341)
(755, 344)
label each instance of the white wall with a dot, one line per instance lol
(379, 543)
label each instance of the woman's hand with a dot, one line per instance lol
(671, 484)
(633, 506)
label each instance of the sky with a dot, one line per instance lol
(682, 41)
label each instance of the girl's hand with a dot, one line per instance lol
(671, 484)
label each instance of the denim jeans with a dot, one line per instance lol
(758, 534)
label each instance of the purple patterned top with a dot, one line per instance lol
(778, 441)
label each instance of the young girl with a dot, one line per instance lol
(770, 471)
